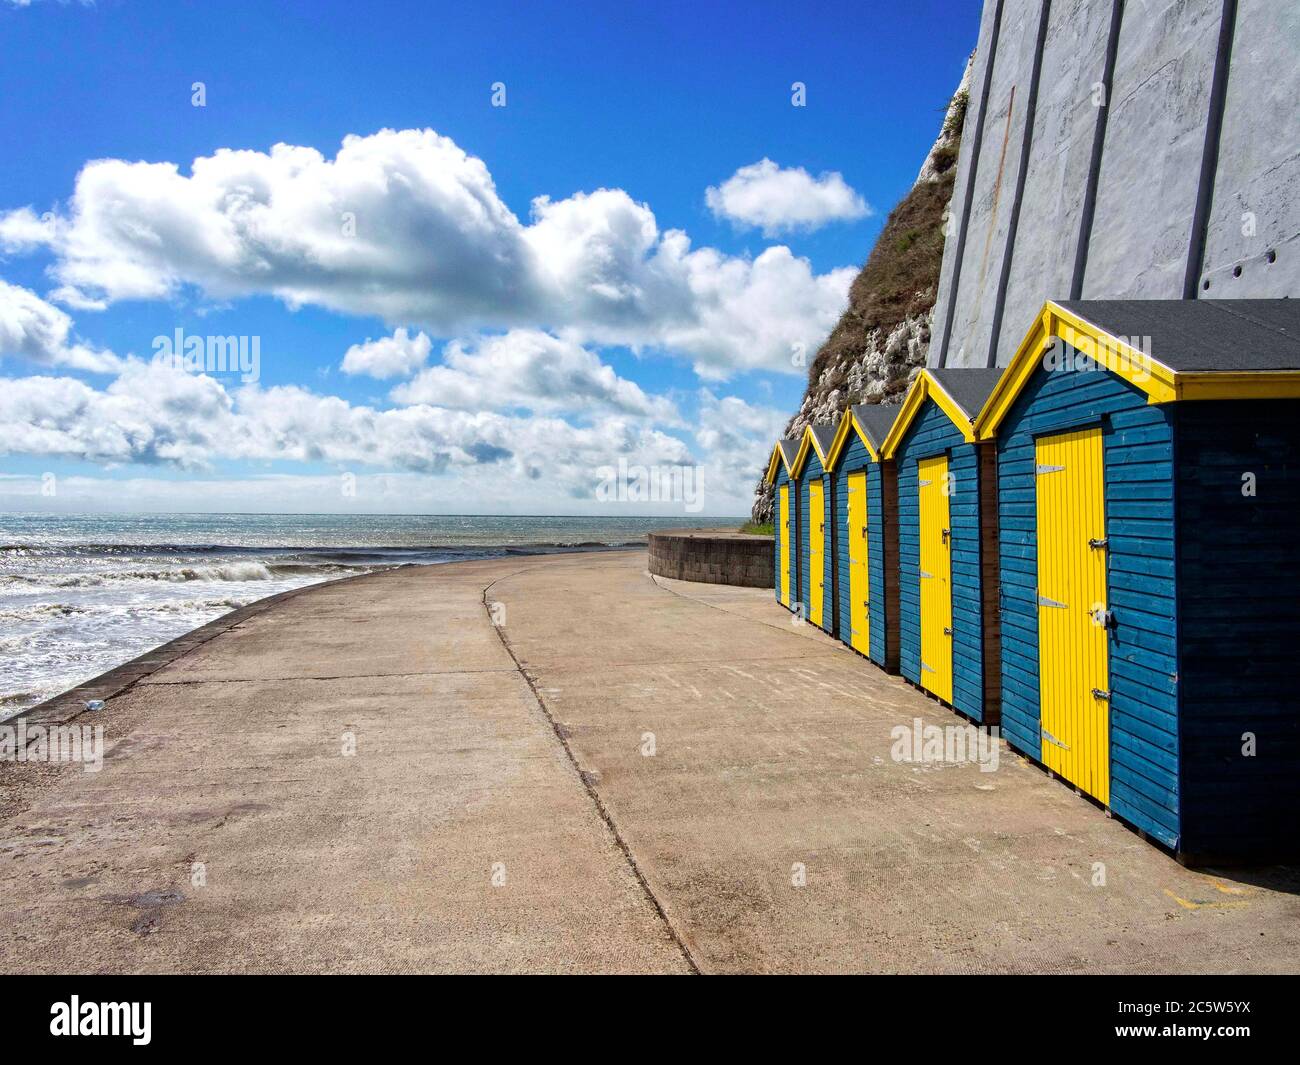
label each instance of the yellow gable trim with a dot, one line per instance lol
(805, 445)
(772, 463)
(813, 437)
(848, 424)
(838, 444)
(949, 406)
(1161, 383)
(925, 387)
(1016, 375)
(1121, 358)
(1243, 384)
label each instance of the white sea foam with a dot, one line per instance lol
(82, 594)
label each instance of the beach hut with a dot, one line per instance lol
(1148, 463)
(947, 541)
(814, 545)
(783, 517)
(865, 520)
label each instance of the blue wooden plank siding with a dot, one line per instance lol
(782, 478)
(796, 526)
(1238, 603)
(812, 468)
(829, 543)
(856, 457)
(1138, 444)
(932, 433)
(876, 562)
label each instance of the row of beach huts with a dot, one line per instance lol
(1096, 548)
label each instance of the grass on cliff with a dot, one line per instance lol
(900, 278)
(753, 529)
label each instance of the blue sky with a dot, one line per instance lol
(654, 338)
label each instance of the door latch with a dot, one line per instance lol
(1097, 545)
(947, 631)
(1103, 618)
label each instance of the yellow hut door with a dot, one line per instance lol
(859, 586)
(1073, 666)
(936, 577)
(816, 551)
(783, 532)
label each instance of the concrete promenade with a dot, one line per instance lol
(626, 774)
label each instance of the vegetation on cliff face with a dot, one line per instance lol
(884, 335)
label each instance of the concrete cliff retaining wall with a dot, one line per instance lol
(713, 558)
(1139, 150)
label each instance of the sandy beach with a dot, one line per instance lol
(564, 764)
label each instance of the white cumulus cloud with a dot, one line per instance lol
(531, 370)
(443, 458)
(406, 226)
(39, 332)
(737, 437)
(399, 355)
(779, 199)
(158, 415)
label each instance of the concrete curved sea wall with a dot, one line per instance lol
(719, 558)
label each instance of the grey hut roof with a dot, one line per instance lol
(1202, 335)
(875, 420)
(824, 435)
(789, 450)
(970, 387)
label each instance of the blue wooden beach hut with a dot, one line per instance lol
(947, 541)
(813, 541)
(1148, 464)
(865, 522)
(785, 496)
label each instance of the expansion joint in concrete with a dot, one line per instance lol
(590, 789)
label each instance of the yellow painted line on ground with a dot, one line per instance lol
(1227, 890)
(1188, 904)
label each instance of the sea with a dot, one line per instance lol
(80, 594)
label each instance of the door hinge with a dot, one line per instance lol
(946, 534)
(1053, 740)
(1097, 693)
(1044, 601)
(947, 631)
(1040, 469)
(1097, 545)
(924, 574)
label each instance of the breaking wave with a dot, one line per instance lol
(80, 594)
